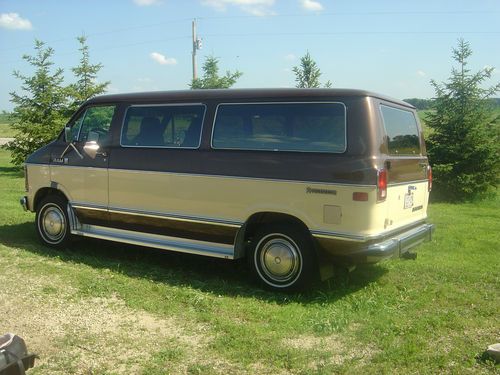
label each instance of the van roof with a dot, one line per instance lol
(226, 94)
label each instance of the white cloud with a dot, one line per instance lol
(14, 22)
(421, 73)
(290, 57)
(258, 8)
(162, 59)
(311, 5)
(145, 3)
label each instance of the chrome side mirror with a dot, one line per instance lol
(91, 148)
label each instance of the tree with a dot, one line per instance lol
(211, 78)
(464, 143)
(86, 74)
(39, 111)
(307, 73)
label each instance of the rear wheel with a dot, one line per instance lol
(282, 258)
(52, 221)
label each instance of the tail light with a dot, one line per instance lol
(381, 184)
(429, 178)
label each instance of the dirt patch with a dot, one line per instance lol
(89, 335)
(334, 349)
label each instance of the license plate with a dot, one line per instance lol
(408, 201)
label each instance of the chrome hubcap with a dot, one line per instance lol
(53, 223)
(280, 259)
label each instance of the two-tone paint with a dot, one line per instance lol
(204, 200)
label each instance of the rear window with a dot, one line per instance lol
(170, 126)
(402, 131)
(306, 127)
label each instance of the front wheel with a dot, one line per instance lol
(282, 258)
(52, 221)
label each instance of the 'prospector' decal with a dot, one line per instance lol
(310, 190)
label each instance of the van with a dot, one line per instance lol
(294, 180)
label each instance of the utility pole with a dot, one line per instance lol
(196, 46)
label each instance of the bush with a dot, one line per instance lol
(463, 146)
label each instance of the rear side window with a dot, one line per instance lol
(306, 127)
(402, 131)
(170, 126)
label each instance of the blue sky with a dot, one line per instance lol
(391, 47)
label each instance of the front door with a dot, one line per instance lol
(82, 172)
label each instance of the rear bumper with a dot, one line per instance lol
(357, 250)
(397, 245)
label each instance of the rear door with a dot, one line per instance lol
(407, 192)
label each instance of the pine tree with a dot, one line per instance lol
(464, 143)
(211, 78)
(307, 74)
(86, 85)
(39, 111)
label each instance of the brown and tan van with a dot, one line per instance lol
(295, 180)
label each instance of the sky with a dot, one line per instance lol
(394, 47)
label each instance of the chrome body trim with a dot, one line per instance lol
(216, 176)
(156, 241)
(158, 215)
(269, 150)
(165, 105)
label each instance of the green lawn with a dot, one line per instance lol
(102, 308)
(6, 131)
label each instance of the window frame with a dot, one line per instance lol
(392, 154)
(165, 105)
(274, 103)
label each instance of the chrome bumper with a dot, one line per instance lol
(24, 202)
(397, 245)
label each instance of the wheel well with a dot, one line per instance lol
(44, 192)
(261, 218)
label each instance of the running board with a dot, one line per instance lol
(182, 245)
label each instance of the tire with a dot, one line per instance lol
(282, 258)
(52, 222)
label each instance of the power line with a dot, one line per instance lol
(285, 34)
(325, 14)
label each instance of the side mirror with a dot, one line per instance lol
(91, 148)
(67, 135)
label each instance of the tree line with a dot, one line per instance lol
(463, 146)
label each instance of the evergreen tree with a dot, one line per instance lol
(211, 78)
(86, 74)
(39, 111)
(307, 74)
(464, 143)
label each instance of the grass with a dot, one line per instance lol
(6, 131)
(101, 307)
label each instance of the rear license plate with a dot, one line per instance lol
(408, 201)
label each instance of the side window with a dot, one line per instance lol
(170, 126)
(305, 127)
(75, 126)
(96, 122)
(402, 131)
